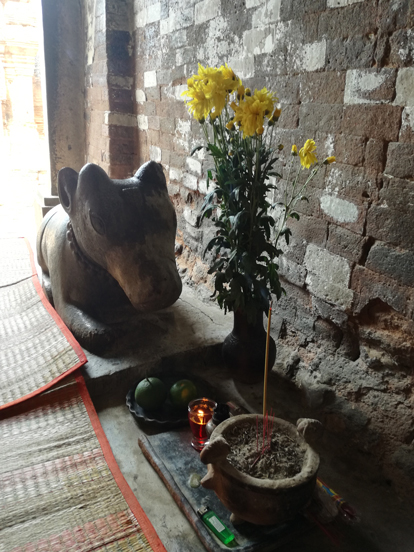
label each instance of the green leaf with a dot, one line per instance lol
(295, 216)
(197, 148)
(216, 152)
(219, 281)
(217, 265)
(273, 173)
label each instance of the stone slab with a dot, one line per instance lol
(188, 333)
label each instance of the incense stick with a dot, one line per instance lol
(269, 317)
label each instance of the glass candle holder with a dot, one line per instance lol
(200, 411)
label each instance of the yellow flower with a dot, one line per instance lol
(248, 92)
(199, 105)
(329, 160)
(307, 157)
(294, 150)
(208, 90)
(240, 92)
(232, 81)
(277, 113)
(230, 125)
(280, 147)
(251, 111)
(259, 131)
(266, 100)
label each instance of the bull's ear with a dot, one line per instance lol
(67, 182)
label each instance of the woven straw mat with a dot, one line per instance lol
(33, 349)
(57, 491)
(15, 262)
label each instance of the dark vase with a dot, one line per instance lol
(244, 349)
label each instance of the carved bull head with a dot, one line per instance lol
(127, 227)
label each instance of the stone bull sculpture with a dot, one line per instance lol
(109, 245)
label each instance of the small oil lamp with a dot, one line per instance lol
(200, 412)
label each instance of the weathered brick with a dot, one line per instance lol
(167, 125)
(205, 10)
(153, 136)
(344, 243)
(286, 88)
(166, 140)
(389, 226)
(289, 117)
(312, 206)
(120, 100)
(184, 55)
(118, 44)
(122, 147)
(352, 183)
(400, 160)
(394, 263)
(313, 57)
(397, 194)
(323, 88)
(328, 312)
(127, 160)
(375, 156)
(328, 277)
(122, 132)
(309, 230)
(402, 48)
(147, 108)
(295, 251)
(370, 285)
(357, 19)
(320, 117)
(155, 153)
(154, 122)
(381, 122)
(153, 93)
(292, 272)
(344, 212)
(407, 125)
(118, 11)
(177, 160)
(370, 86)
(262, 64)
(237, 15)
(352, 53)
(142, 121)
(404, 87)
(349, 149)
(395, 15)
(163, 109)
(289, 9)
(119, 171)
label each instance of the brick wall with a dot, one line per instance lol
(111, 125)
(343, 71)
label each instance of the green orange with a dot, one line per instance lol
(182, 392)
(150, 393)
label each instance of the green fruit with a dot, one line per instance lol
(182, 392)
(150, 393)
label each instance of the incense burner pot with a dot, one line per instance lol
(261, 501)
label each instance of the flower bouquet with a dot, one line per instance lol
(239, 129)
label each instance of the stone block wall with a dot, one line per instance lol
(343, 72)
